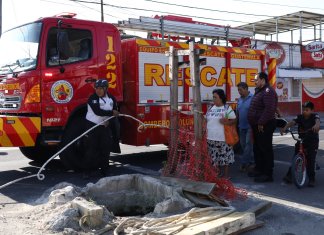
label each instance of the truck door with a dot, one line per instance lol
(70, 69)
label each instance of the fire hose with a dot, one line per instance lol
(41, 176)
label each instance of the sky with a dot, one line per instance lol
(222, 12)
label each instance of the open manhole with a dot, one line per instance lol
(130, 195)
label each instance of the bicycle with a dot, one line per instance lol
(299, 162)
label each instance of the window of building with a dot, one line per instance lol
(296, 88)
(69, 46)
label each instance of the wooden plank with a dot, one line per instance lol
(225, 225)
(258, 224)
(190, 186)
(260, 208)
(204, 200)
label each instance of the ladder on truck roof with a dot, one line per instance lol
(162, 26)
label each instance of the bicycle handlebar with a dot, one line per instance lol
(298, 132)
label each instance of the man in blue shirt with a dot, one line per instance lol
(245, 132)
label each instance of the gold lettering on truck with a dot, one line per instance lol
(111, 63)
(13, 86)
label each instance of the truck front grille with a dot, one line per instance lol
(10, 102)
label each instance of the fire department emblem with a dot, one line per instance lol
(62, 92)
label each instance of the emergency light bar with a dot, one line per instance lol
(66, 15)
(148, 24)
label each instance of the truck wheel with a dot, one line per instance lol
(39, 153)
(72, 157)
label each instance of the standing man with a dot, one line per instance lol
(245, 132)
(261, 117)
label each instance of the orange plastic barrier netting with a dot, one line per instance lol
(190, 160)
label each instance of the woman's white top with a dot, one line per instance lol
(215, 129)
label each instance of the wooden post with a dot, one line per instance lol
(173, 75)
(174, 122)
(194, 73)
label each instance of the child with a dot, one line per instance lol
(308, 125)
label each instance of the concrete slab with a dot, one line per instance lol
(85, 208)
(62, 196)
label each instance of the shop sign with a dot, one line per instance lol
(314, 46)
(317, 55)
(276, 51)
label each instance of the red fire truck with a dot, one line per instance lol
(48, 67)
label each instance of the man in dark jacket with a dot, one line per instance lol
(261, 117)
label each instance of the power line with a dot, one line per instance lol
(128, 12)
(277, 4)
(61, 3)
(206, 9)
(163, 12)
(97, 10)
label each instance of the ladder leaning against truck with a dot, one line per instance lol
(48, 67)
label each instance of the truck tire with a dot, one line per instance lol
(39, 153)
(72, 157)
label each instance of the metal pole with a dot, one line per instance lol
(277, 29)
(300, 28)
(292, 36)
(162, 27)
(102, 11)
(314, 33)
(227, 33)
(320, 29)
(253, 31)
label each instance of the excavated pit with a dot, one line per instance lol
(130, 195)
(113, 201)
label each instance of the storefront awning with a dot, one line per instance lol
(284, 23)
(299, 73)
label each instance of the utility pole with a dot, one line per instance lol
(102, 12)
(0, 17)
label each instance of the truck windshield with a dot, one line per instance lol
(19, 48)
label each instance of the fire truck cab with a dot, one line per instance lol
(47, 70)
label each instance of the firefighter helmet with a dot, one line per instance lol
(101, 83)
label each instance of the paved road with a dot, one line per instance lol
(294, 212)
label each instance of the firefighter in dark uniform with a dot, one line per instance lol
(104, 138)
(261, 117)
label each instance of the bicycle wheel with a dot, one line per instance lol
(298, 170)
